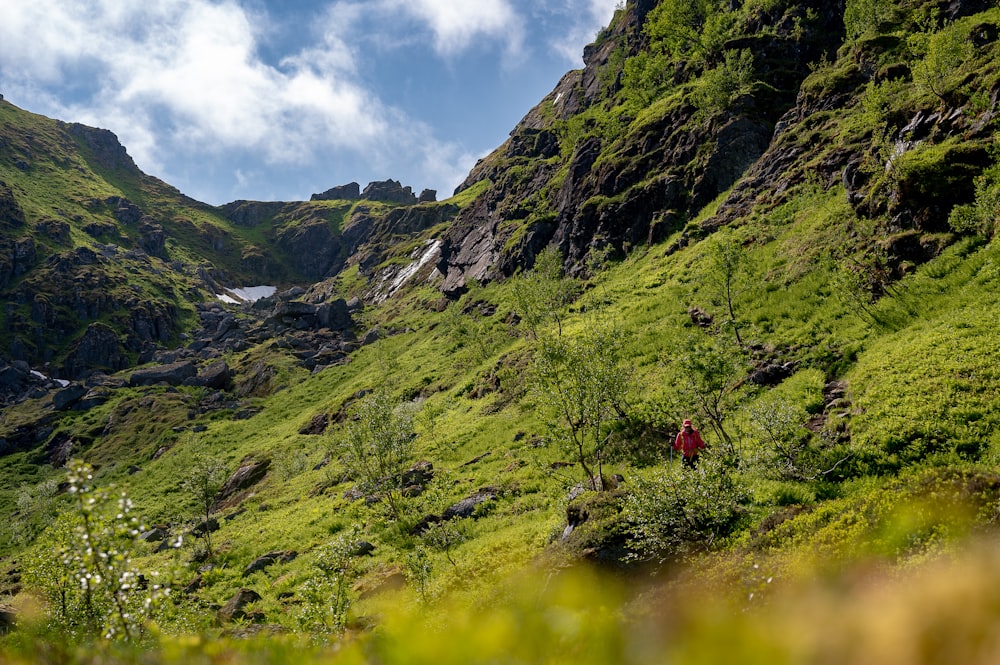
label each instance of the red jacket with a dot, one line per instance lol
(688, 442)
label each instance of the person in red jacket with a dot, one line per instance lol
(689, 443)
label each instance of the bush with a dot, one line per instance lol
(676, 511)
(84, 565)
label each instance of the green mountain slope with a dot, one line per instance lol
(775, 218)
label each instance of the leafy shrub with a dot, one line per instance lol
(983, 215)
(376, 443)
(946, 52)
(718, 87)
(674, 511)
(325, 596)
(867, 17)
(84, 565)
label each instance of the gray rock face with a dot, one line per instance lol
(17, 257)
(99, 347)
(349, 192)
(11, 215)
(315, 247)
(251, 213)
(124, 210)
(104, 147)
(152, 239)
(626, 193)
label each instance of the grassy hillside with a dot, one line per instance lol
(831, 327)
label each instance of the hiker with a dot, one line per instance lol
(689, 442)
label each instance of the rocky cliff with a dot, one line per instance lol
(608, 161)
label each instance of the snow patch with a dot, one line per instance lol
(246, 294)
(430, 253)
(62, 383)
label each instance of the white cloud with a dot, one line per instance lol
(185, 77)
(595, 14)
(457, 24)
(188, 84)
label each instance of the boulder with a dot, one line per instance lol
(68, 396)
(467, 506)
(334, 315)
(99, 347)
(420, 474)
(269, 559)
(205, 527)
(247, 475)
(362, 548)
(153, 535)
(11, 214)
(216, 376)
(152, 239)
(174, 374)
(94, 397)
(8, 619)
(59, 451)
(424, 524)
(317, 425)
(235, 609)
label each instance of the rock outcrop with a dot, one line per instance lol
(349, 192)
(389, 191)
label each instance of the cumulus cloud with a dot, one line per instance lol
(204, 84)
(456, 24)
(589, 19)
(195, 64)
(187, 76)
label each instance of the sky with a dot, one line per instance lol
(277, 100)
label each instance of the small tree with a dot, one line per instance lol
(325, 596)
(730, 277)
(718, 87)
(865, 17)
(782, 437)
(97, 587)
(471, 324)
(204, 480)
(542, 293)
(376, 443)
(946, 52)
(581, 383)
(983, 215)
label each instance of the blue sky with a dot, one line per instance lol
(270, 100)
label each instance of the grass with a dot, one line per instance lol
(834, 566)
